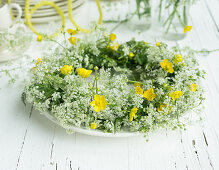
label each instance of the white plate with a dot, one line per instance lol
(94, 132)
(53, 18)
(52, 11)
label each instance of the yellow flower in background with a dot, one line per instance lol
(93, 125)
(99, 103)
(112, 37)
(176, 95)
(146, 43)
(132, 113)
(138, 84)
(158, 44)
(84, 73)
(178, 58)
(66, 69)
(72, 40)
(193, 87)
(39, 37)
(72, 32)
(149, 94)
(163, 106)
(168, 66)
(39, 60)
(187, 29)
(131, 55)
(139, 90)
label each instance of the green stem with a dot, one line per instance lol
(160, 10)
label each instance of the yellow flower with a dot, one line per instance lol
(158, 44)
(176, 95)
(138, 84)
(168, 66)
(139, 90)
(39, 37)
(187, 29)
(39, 60)
(99, 103)
(67, 69)
(178, 58)
(149, 94)
(116, 46)
(193, 87)
(83, 72)
(72, 32)
(93, 125)
(113, 46)
(112, 37)
(131, 55)
(162, 106)
(146, 43)
(132, 113)
(72, 40)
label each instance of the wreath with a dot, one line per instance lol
(95, 83)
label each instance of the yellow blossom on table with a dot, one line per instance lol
(112, 37)
(72, 32)
(72, 40)
(99, 103)
(131, 55)
(193, 87)
(176, 95)
(187, 29)
(168, 66)
(158, 44)
(84, 73)
(93, 125)
(162, 106)
(132, 113)
(178, 58)
(139, 90)
(39, 60)
(66, 69)
(149, 94)
(39, 37)
(138, 84)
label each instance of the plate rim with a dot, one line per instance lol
(91, 132)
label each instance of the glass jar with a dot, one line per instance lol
(139, 14)
(173, 18)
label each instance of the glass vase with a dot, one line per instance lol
(140, 14)
(173, 18)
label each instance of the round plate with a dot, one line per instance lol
(54, 17)
(94, 132)
(52, 11)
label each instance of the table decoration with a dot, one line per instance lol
(13, 42)
(173, 18)
(141, 14)
(95, 83)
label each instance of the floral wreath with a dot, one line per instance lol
(96, 83)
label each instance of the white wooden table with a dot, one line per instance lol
(31, 142)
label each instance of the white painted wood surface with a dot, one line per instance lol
(31, 142)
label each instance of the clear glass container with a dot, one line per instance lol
(139, 14)
(173, 18)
